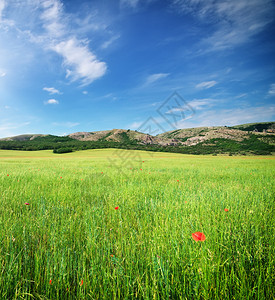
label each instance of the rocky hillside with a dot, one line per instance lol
(256, 138)
(194, 136)
(121, 136)
(183, 137)
(24, 137)
(115, 135)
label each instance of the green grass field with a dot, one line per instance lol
(71, 243)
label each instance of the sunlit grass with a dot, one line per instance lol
(71, 243)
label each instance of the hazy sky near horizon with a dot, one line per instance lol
(68, 66)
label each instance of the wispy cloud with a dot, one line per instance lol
(235, 21)
(8, 129)
(230, 117)
(241, 95)
(2, 6)
(52, 101)
(109, 42)
(66, 124)
(206, 84)
(155, 77)
(81, 63)
(53, 11)
(135, 125)
(50, 28)
(51, 90)
(129, 3)
(198, 104)
(194, 105)
(151, 125)
(271, 91)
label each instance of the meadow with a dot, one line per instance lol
(118, 224)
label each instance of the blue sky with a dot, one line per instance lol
(68, 66)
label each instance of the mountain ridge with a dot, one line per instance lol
(256, 137)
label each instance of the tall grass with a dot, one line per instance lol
(71, 243)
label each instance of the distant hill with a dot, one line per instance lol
(257, 127)
(115, 135)
(194, 136)
(120, 136)
(23, 137)
(253, 138)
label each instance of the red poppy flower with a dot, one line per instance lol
(81, 283)
(198, 236)
(26, 203)
(50, 281)
(112, 255)
(226, 209)
(60, 177)
(101, 172)
(143, 161)
(8, 175)
(177, 180)
(140, 169)
(116, 207)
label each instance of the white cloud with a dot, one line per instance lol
(109, 95)
(135, 3)
(198, 104)
(228, 70)
(8, 129)
(106, 44)
(236, 21)
(271, 91)
(85, 93)
(241, 95)
(51, 17)
(52, 101)
(2, 6)
(135, 125)
(193, 105)
(66, 124)
(81, 62)
(51, 90)
(206, 84)
(175, 110)
(155, 77)
(2, 74)
(51, 28)
(230, 117)
(129, 3)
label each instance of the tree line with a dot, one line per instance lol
(253, 145)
